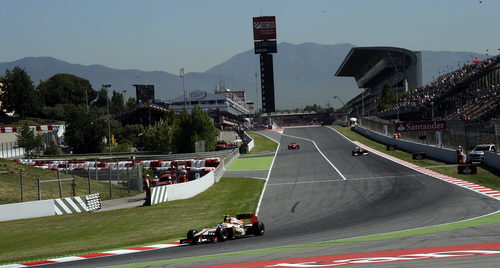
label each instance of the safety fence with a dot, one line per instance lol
(457, 132)
(10, 150)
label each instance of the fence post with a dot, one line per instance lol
(59, 182)
(96, 169)
(128, 179)
(88, 179)
(66, 164)
(39, 189)
(21, 182)
(109, 182)
(73, 184)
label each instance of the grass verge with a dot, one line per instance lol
(57, 236)
(486, 177)
(252, 163)
(10, 184)
(262, 144)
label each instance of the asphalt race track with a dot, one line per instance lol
(322, 193)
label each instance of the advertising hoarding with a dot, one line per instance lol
(265, 46)
(420, 125)
(145, 93)
(264, 28)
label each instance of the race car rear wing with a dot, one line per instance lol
(253, 218)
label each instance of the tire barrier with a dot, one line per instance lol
(77, 204)
(61, 165)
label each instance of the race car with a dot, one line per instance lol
(230, 228)
(359, 151)
(293, 146)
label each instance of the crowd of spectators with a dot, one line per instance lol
(479, 102)
(444, 84)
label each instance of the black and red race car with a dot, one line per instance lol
(359, 151)
(230, 228)
(293, 146)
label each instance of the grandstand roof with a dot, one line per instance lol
(368, 64)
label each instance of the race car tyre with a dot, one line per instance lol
(258, 228)
(191, 238)
(230, 233)
(221, 234)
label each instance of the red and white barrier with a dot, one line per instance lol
(161, 165)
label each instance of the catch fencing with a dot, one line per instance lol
(458, 132)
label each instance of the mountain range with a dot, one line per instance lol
(303, 74)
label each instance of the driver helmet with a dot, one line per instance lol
(227, 218)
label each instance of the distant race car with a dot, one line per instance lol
(293, 146)
(230, 228)
(359, 151)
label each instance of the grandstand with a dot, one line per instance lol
(471, 92)
(467, 98)
(373, 68)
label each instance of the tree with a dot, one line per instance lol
(387, 99)
(19, 94)
(66, 89)
(102, 98)
(203, 128)
(131, 103)
(53, 148)
(130, 133)
(157, 137)
(84, 132)
(29, 140)
(183, 132)
(117, 104)
(194, 127)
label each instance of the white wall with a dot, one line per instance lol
(26, 210)
(443, 154)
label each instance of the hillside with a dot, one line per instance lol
(303, 74)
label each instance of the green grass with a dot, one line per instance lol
(487, 177)
(252, 163)
(10, 186)
(57, 236)
(262, 143)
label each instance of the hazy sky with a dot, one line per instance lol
(165, 35)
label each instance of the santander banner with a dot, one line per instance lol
(421, 125)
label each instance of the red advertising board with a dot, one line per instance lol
(421, 125)
(264, 28)
(467, 169)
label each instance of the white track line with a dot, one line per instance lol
(268, 175)
(322, 154)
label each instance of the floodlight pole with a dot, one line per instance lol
(338, 98)
(107, 86)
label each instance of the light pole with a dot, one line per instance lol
(86, 100)
(107, 86)
(432, 111)
(363, 103)
(181, 71)
(337, 97)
